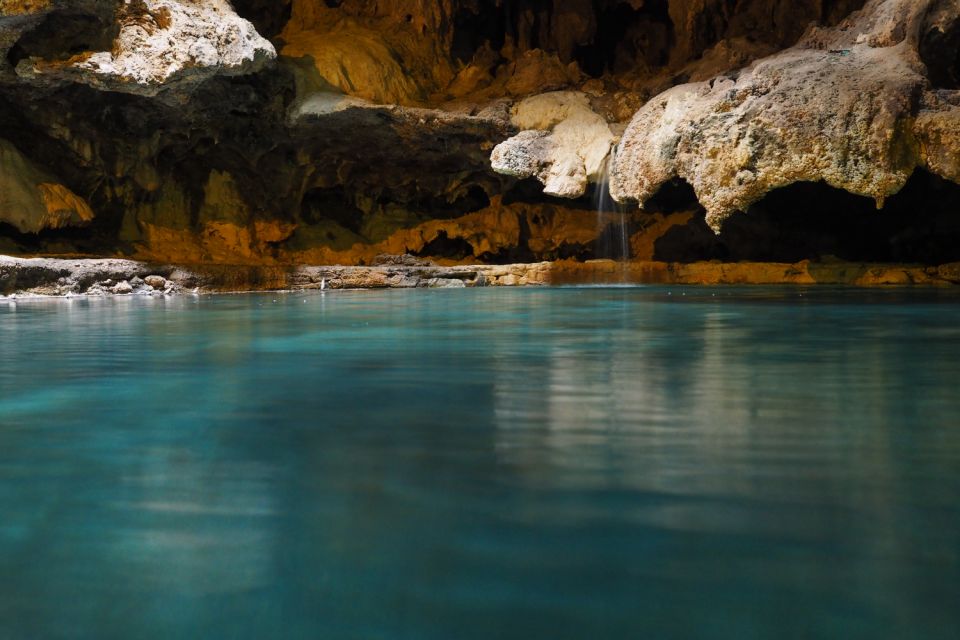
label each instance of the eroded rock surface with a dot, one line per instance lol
(564, 144)
(31, 200)
(160, 43)
(305, 131)
(851, 105)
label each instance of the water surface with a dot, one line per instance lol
(500, 463)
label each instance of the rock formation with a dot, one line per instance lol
(307, 131)
(850, 105)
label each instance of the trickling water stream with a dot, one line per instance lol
(612, 238)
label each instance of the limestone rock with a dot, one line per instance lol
(156, 282)
(839, 107)
(564, 143)
(31, 200)
(374, 134)
(938, 131)
(161, 42)
(122, 288)
(356, 61)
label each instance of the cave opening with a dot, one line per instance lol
(331, 203)
(622, 36)
(940, 52)
(672, 197)
(428, 205)
(267, 16)
(473, 199)
(920, 224)
(833, 11)
(625, 36)
(443, 246)
(691, 241)
(472, 30)
(530, 191)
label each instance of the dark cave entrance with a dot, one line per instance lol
(920, 224)
(691, 242)
(940, 52)
(443, 246)
(268, 16)
(331, 203)
(626, 36)
(471, 31)
(814, 221)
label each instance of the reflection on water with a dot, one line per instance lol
(708, 463)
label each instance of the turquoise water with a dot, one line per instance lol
(499, 463)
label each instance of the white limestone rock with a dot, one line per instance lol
(162, 43)
(840, 106)
(564, 143)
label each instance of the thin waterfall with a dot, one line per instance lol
(613, 241)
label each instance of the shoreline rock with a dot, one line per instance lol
(58, 277)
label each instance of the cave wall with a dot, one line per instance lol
(329, 131)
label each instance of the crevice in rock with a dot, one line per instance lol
(833, 11)
(614, 38)
(88, 240)
(440, 208)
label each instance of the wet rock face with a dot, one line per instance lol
(322, 131)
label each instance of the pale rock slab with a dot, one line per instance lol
(162, 43)
(563, 143)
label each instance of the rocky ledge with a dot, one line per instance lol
(103, 277)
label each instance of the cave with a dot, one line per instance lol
(129, 151)
(530, 191)
(319, 319)
(690, 242)
(60, 36)
(474, 198)
(442, 246)
(940, 52)
(920, 224)
(626, 36)
(621, 36)
(331, 203)
(268, 16)
(673, 196)
(472, 30)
